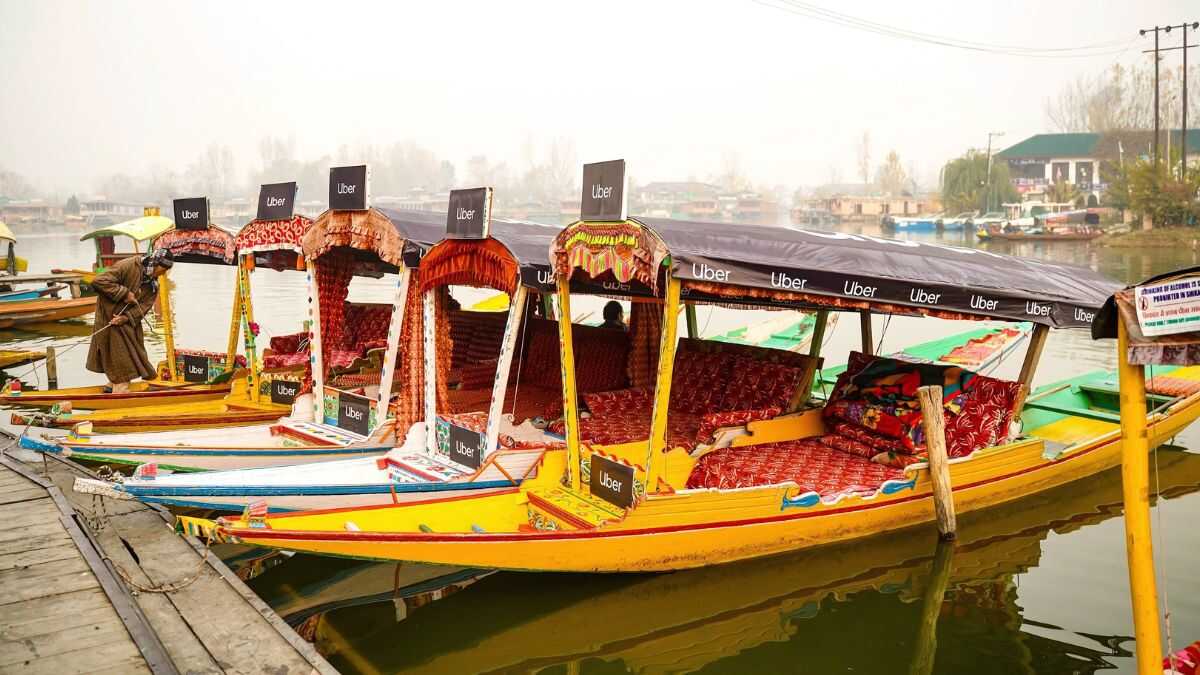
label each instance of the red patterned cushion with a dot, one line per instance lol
(866, 436)
(808, 463)
(288, 344)
(619, 402)
(695, 383)
(984, 418)
(285, 360)
(848, 444)
(759, 384)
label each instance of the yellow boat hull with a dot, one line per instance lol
(691, 528)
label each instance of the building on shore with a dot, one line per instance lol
(31, 211)
(1080, 159)
(856, 202)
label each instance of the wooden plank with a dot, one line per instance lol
(75, 639)
(23, 544)
(37, 556)
(29, 531)
(182, 645)
(51, 578)
(1033, 354)
(21, 495)
(231, 631)
(934, 423)
(112, 655)
(55, 612)
(13, 516)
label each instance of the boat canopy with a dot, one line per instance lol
(396, 237)
(514, 253)
(273, 235)
(796, 268)
(138, 229)
(6, 234)
(212, 245)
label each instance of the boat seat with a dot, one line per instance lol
(1074, 411)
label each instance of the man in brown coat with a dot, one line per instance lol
(125, 292)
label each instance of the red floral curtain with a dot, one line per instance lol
(645, 335)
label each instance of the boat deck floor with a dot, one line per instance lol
(68, 567)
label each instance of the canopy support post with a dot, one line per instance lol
(315, 358)
(430, 354)
(164, 313)
(1033, 354)
(689, 311)
(566, 350)
(516, 310)
(868, 341)
(662, 388)
(395, 328)
(235, 321)
(1135, 485)
(818, 333)
(246, 320)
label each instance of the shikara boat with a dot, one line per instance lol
(14, 358)
(652, 486)
(702, 619)
(139, 231)
(485, 367)
(171, 385)
(19, 307)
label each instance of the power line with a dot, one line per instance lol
(811, 11)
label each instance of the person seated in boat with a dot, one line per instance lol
(124, 293)
(614, 316)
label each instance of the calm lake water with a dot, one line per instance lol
(1034, 587)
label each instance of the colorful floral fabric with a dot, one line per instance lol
(211, 242)
(809, 464)
(272, 235)
(621, 402)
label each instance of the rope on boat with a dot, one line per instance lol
(1162, 546)
(71, 345)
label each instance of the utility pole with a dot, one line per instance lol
(1155, 51)
(987, 206)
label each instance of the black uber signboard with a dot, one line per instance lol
(348, 188)
(191, 213)
(195, 368)
(604, 191)
(466, 446)
(276, 201)
(612, 481)
(284, 391)
(354, 413)
(470, 214)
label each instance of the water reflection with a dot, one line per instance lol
(898, 603)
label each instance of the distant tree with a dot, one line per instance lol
(965, 185)
(72, 206)
(1062, 192)
(890, 176)
(864, 157)
(732, 177)
(1118, 98)
(1157, 191)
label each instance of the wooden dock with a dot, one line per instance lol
(100, 586)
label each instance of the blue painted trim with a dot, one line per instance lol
(891, 487)
(805, 500)
(260, 452)
(217, 506)
(40, 446)
(141, 491)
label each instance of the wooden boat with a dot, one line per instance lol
(32, 294)
(503, 453)
(664, 499)
(15, 358)
(782, 332)
(686, 621)
(210, 245)
(1061, 235)
(21, 312)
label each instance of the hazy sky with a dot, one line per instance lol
(95, 88)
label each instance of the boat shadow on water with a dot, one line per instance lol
(900, 602)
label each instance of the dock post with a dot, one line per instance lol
(51, 368)
(933, 420)
(868, 339)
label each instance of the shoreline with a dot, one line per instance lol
(1160, 237)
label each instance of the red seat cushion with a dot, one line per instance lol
(696, 383)
(807, 463)
(754, 385)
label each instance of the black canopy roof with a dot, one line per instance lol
(862, 267)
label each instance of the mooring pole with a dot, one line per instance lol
(1135, 486)
(51, 368)
(934, 423)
